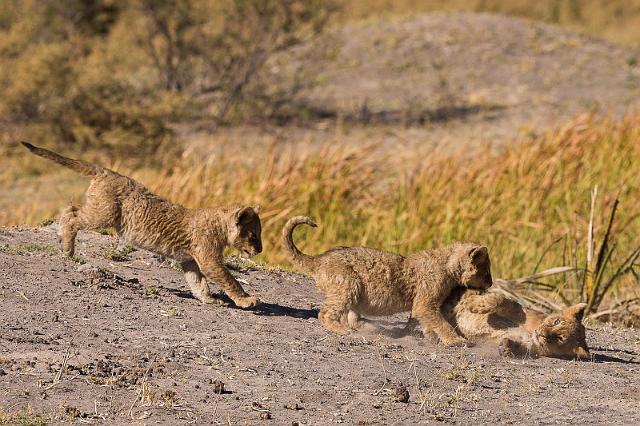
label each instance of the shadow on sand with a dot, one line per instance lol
(266, 309)
(273, 309)
(601, 358)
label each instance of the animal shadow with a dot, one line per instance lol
(599, 358)
(624, 351)
(275, 310)
(184, 294)
(266, 309)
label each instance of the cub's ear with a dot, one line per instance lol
(582, 353)
(243, 214)
(256, 209)
(577, 311)
(479, 254)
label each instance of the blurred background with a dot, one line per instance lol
(398, 124)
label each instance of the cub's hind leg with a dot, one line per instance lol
(354, 322)
(101, 210)
(331, 315)
(341, 291)
(198, 283)
(493, 303)
(69, 227)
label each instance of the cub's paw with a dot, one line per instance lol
(457, 343)
(333, 326)
(354, 322)
(247, 302)
(338, 329)
(507, 348)
(210, 300)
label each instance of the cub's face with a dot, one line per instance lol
(245, 231)
(476, 268)
(562, 335)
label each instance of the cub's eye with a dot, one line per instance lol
(557, 322)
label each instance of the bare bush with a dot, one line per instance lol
(118, 75)
(219, 48)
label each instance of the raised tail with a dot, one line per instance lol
(297, 257)
(82, 167)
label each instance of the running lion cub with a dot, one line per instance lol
(194, 237)
(520, 332)
(360, 280)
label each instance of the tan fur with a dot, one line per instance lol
(364, 281)
(520, 332)
(194, 237)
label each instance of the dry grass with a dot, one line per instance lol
(530, 202)
(23, 249)
(21, 418)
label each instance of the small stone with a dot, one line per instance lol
(265, 415)
(218, 386)
(295, 407)
(87, 268)
(401, 394)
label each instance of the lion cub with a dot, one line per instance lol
(194, 237)
(360, 280)
(520, 332)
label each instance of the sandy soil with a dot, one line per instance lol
(123, 342)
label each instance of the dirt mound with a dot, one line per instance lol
(500, 73)
(116, 342)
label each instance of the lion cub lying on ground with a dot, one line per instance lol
(520, 332)
(194, 237)
(359, 280)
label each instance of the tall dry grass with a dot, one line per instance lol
(529, 202)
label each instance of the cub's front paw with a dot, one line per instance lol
(458, 342)
(506, 348)
(247, 302)
(337, 328)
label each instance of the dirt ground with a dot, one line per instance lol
(117, 342)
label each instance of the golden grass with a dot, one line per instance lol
(529, 202)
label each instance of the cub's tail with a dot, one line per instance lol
(297, 257)
(82, 167)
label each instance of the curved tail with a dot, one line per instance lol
(82, 167)
(297, 257)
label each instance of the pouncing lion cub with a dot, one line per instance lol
(360, 280)
(194, 237)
